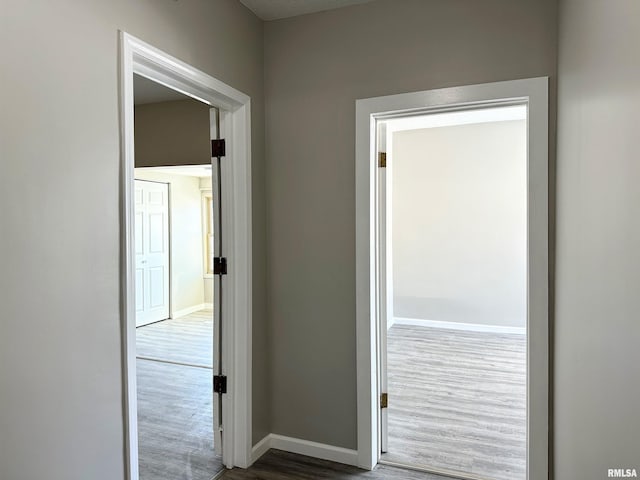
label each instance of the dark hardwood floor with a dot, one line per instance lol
(278, 465)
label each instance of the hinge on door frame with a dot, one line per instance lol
(219, 266)
(382, 159)
(218, 147)
(384, 400)
(220, 383)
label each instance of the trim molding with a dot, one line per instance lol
(260, 448)
(220, 474)
(369, 306)
(189, 310)
(304, 447)
(469, 327)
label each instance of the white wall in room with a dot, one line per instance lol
(186, 237)
(205, 186)
(459, 223)
(205, 183)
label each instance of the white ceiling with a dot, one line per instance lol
(275, 9)
(465, 117)
(147, 91)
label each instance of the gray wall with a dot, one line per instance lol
(61, 414)
(60, 350)
(316, 67)
(172, 133)
(459, 223)
(597, 393)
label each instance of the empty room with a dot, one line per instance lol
(319, 239)
(454, 343)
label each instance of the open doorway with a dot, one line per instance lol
(453, 350)
(229, 151)
(452, 280)
(176, 339)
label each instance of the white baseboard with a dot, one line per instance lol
(261, 448)
(470, 327)
(304, 447)
(189, 310)
(208, 306)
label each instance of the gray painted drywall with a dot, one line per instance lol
(61, 414)
(186, 237)
(459, 223)
(172, 133)
(597, 359)
(316, 66)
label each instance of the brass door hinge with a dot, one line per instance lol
(384, 400)
(382, 159)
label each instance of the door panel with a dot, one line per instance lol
(382, 284)
(139, 290)
(156, 233)
(152, 251)
(156, 287)
(218, 308)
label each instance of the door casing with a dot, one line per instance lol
(143, 59)
(534, 94)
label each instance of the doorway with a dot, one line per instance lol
(177, 331)
(453, 348)
(435, 332)
(230, 387)
(176, 354)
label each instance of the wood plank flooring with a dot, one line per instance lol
(175, 412)
(279, 465)
(187, 339)
(457, 401)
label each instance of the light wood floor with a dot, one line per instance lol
(278, 465)
(187, 339)
(175, 412)
(457, 401)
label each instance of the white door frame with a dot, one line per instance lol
(533, 93)
(141, 58)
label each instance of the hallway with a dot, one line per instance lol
(279, 465)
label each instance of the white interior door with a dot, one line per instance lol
(382, 278)
(152, 251)
(216, 183)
